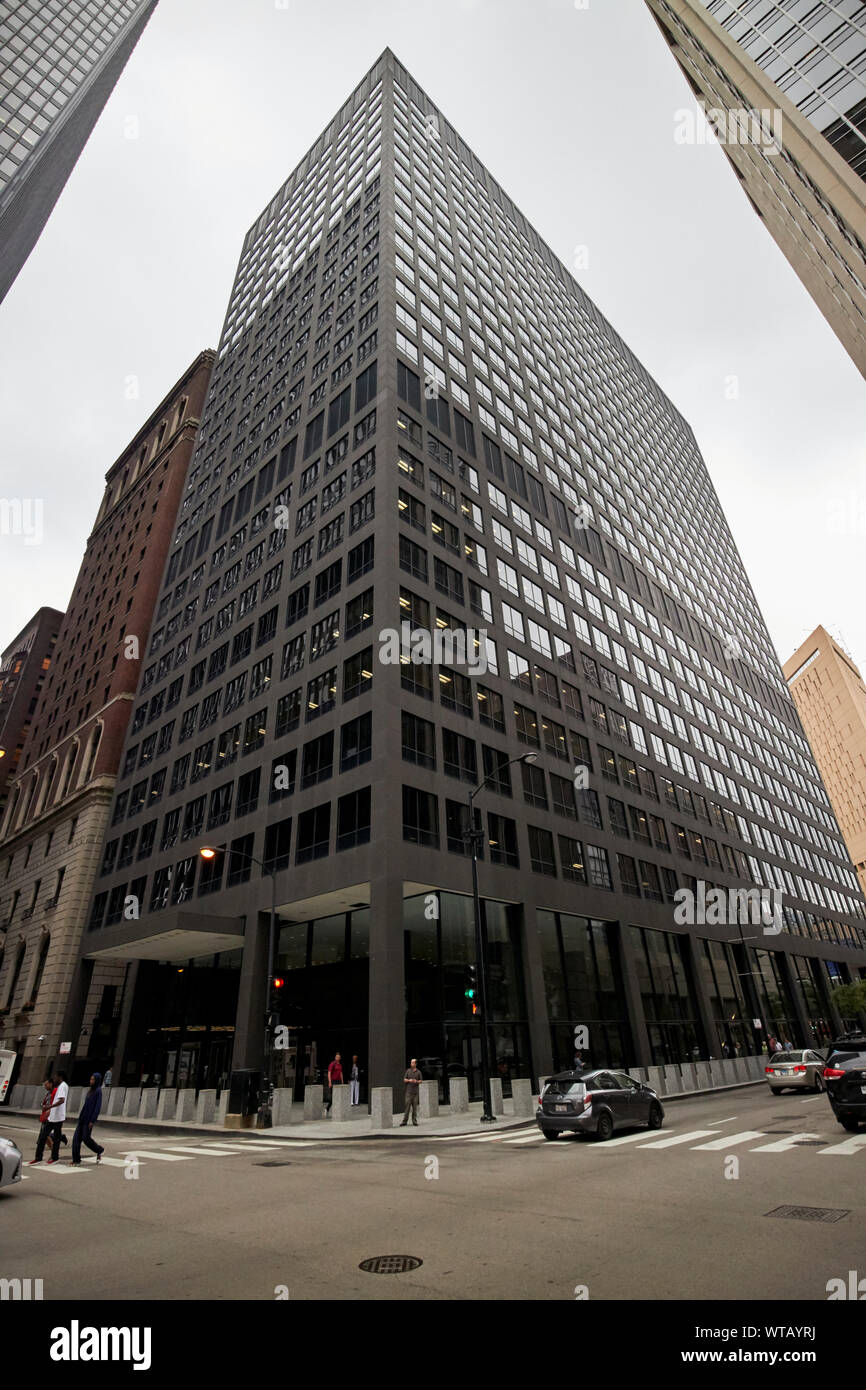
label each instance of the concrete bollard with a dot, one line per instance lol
(341, 1109)
(382, 1107)
(222, 1107)
(742, 1069)
(673, 1082)
(458, 1095)
(689, 1076)
(497, 1104)
(75, 1099)
(185, 1106)
(638, 1073)
(542, 1082)
(131, 1100)
(313, 1102)
(147, 1107)
(16, 1097)
(167, 1104)
(524, 1102)
(703, 1078)
(655, 1080)
(116, 1099)
(428, 1100)
(205, 1110)
(281, 1107)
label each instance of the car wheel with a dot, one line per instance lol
(550, 1133)
(851, 1125)
(605, 1126)
(655, 1120)
(775, 1090)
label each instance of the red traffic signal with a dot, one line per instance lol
(278, 982)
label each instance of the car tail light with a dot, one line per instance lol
(768, 1070)
(799, 1069)
(832, 1071)
(587, 1100)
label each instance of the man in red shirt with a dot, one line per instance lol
(335, 1078)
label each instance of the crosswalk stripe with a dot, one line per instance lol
(151, 1153)
(485, 1139)
(63, 1169)
(197, 1153)
(630, 1139)
(678, 1139)
(525, 1139)
(848, 1146)
(790, 1141)
(727, 1142)
(240, 1148)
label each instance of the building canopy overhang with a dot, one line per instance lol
(174, 935)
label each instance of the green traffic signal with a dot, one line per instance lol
(469, 994)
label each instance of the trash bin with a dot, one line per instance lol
(244, 1092)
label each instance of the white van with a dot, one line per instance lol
(7, 1064)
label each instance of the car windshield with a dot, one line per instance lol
(789, 1057)
(564, 1088)
(841, 1055)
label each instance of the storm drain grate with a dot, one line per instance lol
(808, 1213)
(390, 1264)
(811, 1143)
(273, 1163)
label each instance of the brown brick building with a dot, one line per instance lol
(52, 831)
(24, 667)
(830, 696)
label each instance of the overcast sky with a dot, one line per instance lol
(573, 110)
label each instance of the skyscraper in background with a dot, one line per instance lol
(60, 62)
(830, 696)
(806, 60)
(417, 416)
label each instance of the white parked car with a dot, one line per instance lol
(801, 1071)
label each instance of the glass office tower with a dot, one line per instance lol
(61, 60)
(787, 81)
(417, 416)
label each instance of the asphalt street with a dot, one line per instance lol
(681, 1213)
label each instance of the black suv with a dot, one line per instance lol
(845, 1078)
(595, 1102)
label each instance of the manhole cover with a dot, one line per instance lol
(273, 1163)
(808, 1213)
(390, 1264)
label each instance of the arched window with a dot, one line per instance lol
(91, 756)
(49, 782)
(70, 768)
(40, 967)
(31, 792)
(15, 973)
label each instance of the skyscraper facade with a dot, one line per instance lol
(61, 61)
(798, 65)
(51, 834)
(830, 696)
(440, 518)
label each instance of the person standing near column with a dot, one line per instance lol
(335, 1078)
(412, 1081)
(87, 1119)
(354, 1082)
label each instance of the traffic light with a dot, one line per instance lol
(276, 1000)
(471, 990)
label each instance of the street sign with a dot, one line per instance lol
(756, 1023)
(65, 1047)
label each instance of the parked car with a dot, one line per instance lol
(801, 1071)
(10, 1163)
(844, 1077)
(596, 1102)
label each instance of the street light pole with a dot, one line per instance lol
(265, 1115)
(474, 834)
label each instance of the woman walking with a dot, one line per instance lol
(87, 1119)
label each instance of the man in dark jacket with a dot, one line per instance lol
(87, 1119)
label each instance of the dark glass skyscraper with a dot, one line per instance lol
(785, 82)
(61, 60)
(417, 416)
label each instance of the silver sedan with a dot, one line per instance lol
(801, 1071)
(10, 1163)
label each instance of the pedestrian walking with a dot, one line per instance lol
(106, 1080)
(335, 1078)
(87, 1119)
(44, 1119)
(789, 1046)
(355, 1083)
(56, 1118)
(412, 1080)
